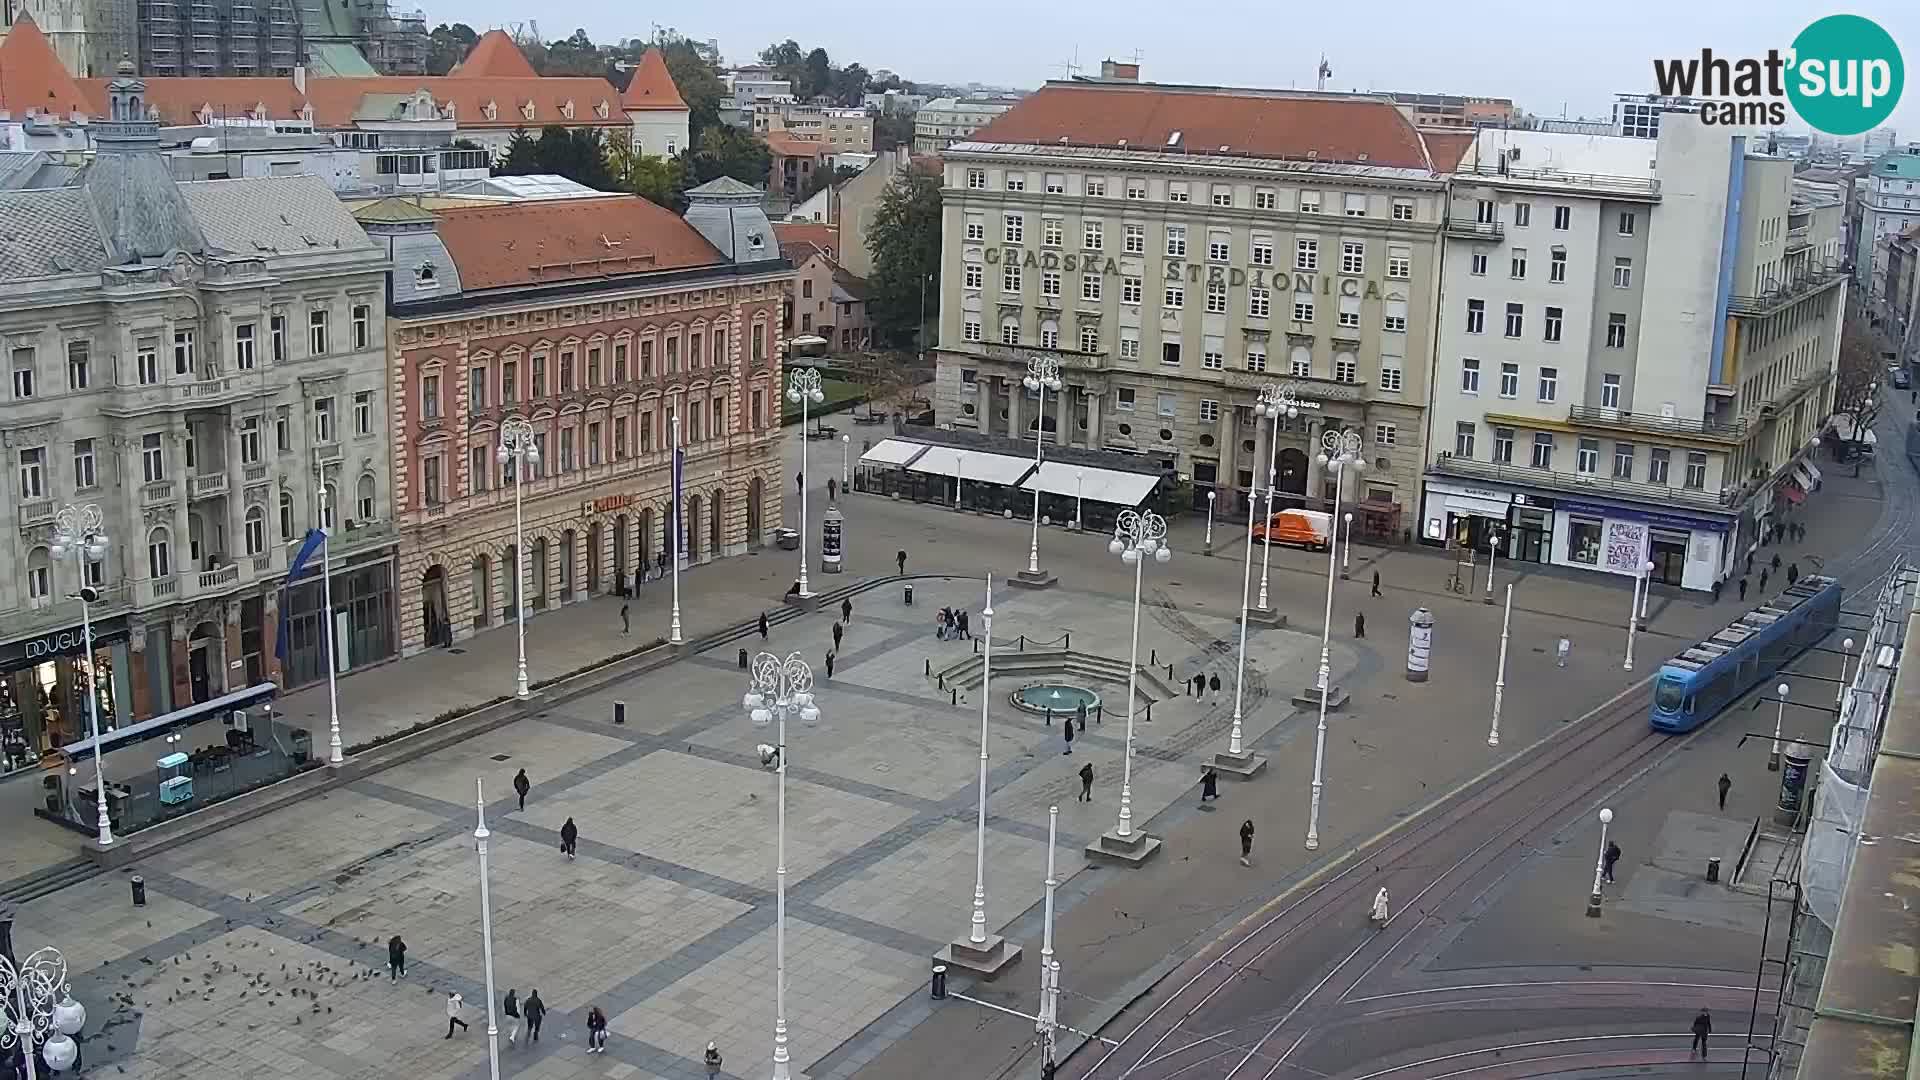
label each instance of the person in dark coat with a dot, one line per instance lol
(1086, 783)
(1194, 684)
(511, 1007)
(1607, 860)
(596, 1031)
(1702, 1027)
(830, 665)
(846, 610)
(1082, 711)
(1726, 785)
(1793, 573)
(1716, 591)
(900, 559)
(1209, 785)
(1213, 684)
(396, 957)
(569, 837)
(837, 631)
(1066, 728)
(1776, 562)
(763, 626)
(1359, 624)
(965, 630)
(1763, 580)
(1246, 842)
(626, 619)
(1376, 583)
(1743, 590)
(522, 785)
(535, 1011)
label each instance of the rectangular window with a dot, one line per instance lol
(283, 429)
(1256, 358)
(1049, 335)
(1557, 267)
(146, 362)
(976, 233)
(1309, 202)
(1517, 267)
(1056, 184)
(1260, 249)
(1219, 245)
(432, 486)
(1696, 470)
(1136, 189)
(243, 346)
(1623, 461)
(1345, 368)
(1503, 445)
(1266, 199)
(1222, 195)
(1609, 391)
(362, 325)
(85, 479)
(1469, 376)
(1302, 363)
(1616, 330)
(1386, 434)
(1209, 411)
(1136, 239)
(1052, 232)
(1549, 383)
(1092, 235)
(1626, 222)
(1476, 316)
(974, 275)
(250, 441)
(977, 179)
(363, 412)
(1349, 314)
(1463, 433)
(79, 365)
(1217, 297)
(323, 430)
(1542, 450)
(1129, 343)
(1176, 297)
(1177, 191)
(1353, 257)
(1509, 380)
(33, 479)
(1213, 354)
(1016, 181)
(317, 332)
(1170, 352)
(1399, 263)
(509, 382)
(1622, 272)
(1015, 228)
(1516, 318)
(477, 389)
(1130, 290)
(1403, 209)
(183, 351)
(1303, 311)
(430, 397)
(1587, 458)
(1259, 303)
(1010, 279)
(1097, 187)
(1176, 241)
(1393, 317)
(1090, 286)
(1522, 214)
(1477, 264)
(1553, 320)
(971, 329)
(1123, 399)
(1090, 339)
(1010, 332)
(1659, 459)
(1563, 217)
(1165, 405)
(566, 444)
(277, 330)
(1391, 373)
(1484, 212)
(1050, 283)
(1306, 254)
(153, 460)
(478, 469)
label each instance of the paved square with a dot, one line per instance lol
(927, 888)
(294, 845)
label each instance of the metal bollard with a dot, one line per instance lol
(743, 659)
(908, 594)
(1713, 871)
(619, 712)
(139, 890)
(955, 698)
(929, 670)
(1099, 714)
(1049, 716)
(939, 988)
(940, 681)
(1169, 671)
(1023, 643)
(1153, 657)
(1149, 710)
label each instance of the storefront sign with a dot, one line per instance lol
(1625, 549)
(1488, 494)
(1177, 270)
(606, 504)
(36, 650)
(1653, 517)
(1536, 501)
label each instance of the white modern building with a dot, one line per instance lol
(1889, 207)
(1637, 343)
(944, 121)
(1638, 116)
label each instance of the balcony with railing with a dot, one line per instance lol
(1500, 171)
(1592, 484)
(1816, 279)
(208, 485)
(206, 392)
(37, 512)
(64, 612)
(158, 493)
(219, 577)
(1463, 228)
(1593, 416)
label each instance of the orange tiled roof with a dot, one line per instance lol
(820, 234)
(785, 144)
(494, 56)
(569, 240)
(652, 87)
(1446, 148)
(1253, 122)
(31, 75)
(335, 101)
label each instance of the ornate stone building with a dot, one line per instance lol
(601, 322)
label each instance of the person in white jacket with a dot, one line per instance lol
(454, 1005)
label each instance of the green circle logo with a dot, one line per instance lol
(1846, 75)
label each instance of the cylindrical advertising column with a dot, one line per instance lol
(1796, 767)
(1419, 644)
(830, 524)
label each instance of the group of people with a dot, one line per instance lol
(951, 625)
(1772, 567)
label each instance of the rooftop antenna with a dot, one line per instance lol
(1071, 68)
(1324, 73)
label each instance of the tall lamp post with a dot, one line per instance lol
(981, 952)
(1137, 537)
(846, 461)
(320, 492)
(480, 836)
(1276, 400)
(1346, 547)
(1339, 451)
(1633, 611)
(1211, 495)
(1846, 655)
(519, 449)
(1043, 374)
(1599, 865)
(41, 1014)
(78, 534)
(803, 386)
(1779, 720)
(1493, 559)
(1079, 498)
(1236, 760)
(779, 686)
(1500, 677)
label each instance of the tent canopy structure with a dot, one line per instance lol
(892, 452)
(1092, 484)
(978, 466)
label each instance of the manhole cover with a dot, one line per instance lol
(883, 767)
(501, 757)
(458, 652)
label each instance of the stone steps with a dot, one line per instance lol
(965, 674)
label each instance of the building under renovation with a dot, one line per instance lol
(201, 38)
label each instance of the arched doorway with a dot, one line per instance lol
(593, 559)
(515, 575)
(756, 493)
(646, 540)
(716, 512)
(669, 536)
(693, 528)
(481, 591)
(433, 607)
(620, 554)
(538, 555)
(569, 566)
(206, 666)
(1290, 478)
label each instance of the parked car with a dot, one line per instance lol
(1902, 379)
(1310, 529)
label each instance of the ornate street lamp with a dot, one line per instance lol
(777, 687)
(518, 447)
(803, 388)
(78, 534)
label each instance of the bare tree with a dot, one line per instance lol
(1857, 383)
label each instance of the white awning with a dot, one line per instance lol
(1468, 504)
(978, 466)
(892, 452)
(1094, 485)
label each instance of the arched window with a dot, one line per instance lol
(39, 574)
(1010, 330)
(256, 529)
(1049, 334)
(363, 502)
(159, 553)
(286, 515)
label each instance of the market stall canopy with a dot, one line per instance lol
(893, 452)
(1093, 484)
(979, 466)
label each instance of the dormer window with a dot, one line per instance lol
(425, 278)
(600, 109)
(260, 110)
(205, 114)
(490, 110)
(756, 241)
(526, 109)
(566, 109)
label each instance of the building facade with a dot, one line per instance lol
(1177, 248)
(944, 121)
(1889, 206)
(635, 321)
(199, 362)
(1631, 360)
(1454, 112)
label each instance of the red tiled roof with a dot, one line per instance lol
(494, 56)
(1274, 124)
(1446, 148)
(335, 101)
(31, 75)
(798, 252)
(821, 235)
(785, 145)
(652, 87)
(569, 240)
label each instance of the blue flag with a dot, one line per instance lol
(315, 537)
(679, 518)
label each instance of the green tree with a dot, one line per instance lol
(849, 85)
(448, 45)
(905, 244)
(519, 159)
(659, 180)
(820, 178)
(577, 155)
(891, 130)
(698, 83)
(728, 151)
(577, 55)
(819, 75)
(786, 56)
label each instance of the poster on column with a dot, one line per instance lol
(1626, 546)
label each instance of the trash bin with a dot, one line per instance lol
(1713, 870)
(939, 988)
(908, 589)
(139, 891)
(619, 712)
(743, 659)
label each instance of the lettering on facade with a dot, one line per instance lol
(1275, 280)
(606, 504)
(1091, 264)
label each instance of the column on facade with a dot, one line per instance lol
(1263, 451)
(1227, 478)
(1094, 438)
(1016, 393)
(183, 559)
(236, 491)
(1063, 415)
(1313, 457)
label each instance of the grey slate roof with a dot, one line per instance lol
(725, 185)
(283, 215)
(139, 209)
(48, 232)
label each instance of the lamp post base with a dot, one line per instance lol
(1246, 766)
(1033, 579)
(1129, 851)
(1773, 761)
(986, 961)
(803, 601)
(1271, 618)
(1309, 698)
(1593, 906)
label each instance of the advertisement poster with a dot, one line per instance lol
(1625, 550)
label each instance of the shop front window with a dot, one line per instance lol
(1583, 542)
(43, 699)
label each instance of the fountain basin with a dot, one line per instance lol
(1059, 697)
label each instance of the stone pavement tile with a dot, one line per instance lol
(718, 818)
(282, 849)
(572, 929)
(546, 751)
(730, 999)
(868, 742)
(660, 702)
(927, 887)
(95, 922)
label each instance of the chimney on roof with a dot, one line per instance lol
(300, 78)
(1119, 71)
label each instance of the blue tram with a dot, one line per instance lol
(1693, 687)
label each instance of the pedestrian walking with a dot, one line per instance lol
(763, 626)
(569, 837)
(1376, 583)
(454, 1005)
(1086, 783)
(1763, 580)
(1743, 590)
(1246, 842)
(1195, 684)
(846, 610)
(1066, 728)
(626, 619)
(1209, 785)
(511, 1007)
(900, 559)
(1749, 562)
(596, 1031)
(965, 630)
(1607, 860)
(535, 1011)
(522, 785)
(1716, 592)
(1359, 624)
(1213, 684)
(833, 488)
(1702, 1027)
(837, 631)
(799, 482)
(1082, 712)
(830, 665)
(396, 957)
(1793, 574)
(1776, 562)
(1726, 785)
(712, 1058)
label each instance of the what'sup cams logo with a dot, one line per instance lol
(1843, 75)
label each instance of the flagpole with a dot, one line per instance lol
(673, 529)
(335, 757)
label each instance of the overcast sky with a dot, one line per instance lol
(1545, 56)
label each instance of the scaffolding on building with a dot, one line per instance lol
(213, 37)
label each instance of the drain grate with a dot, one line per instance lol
(501, 757)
